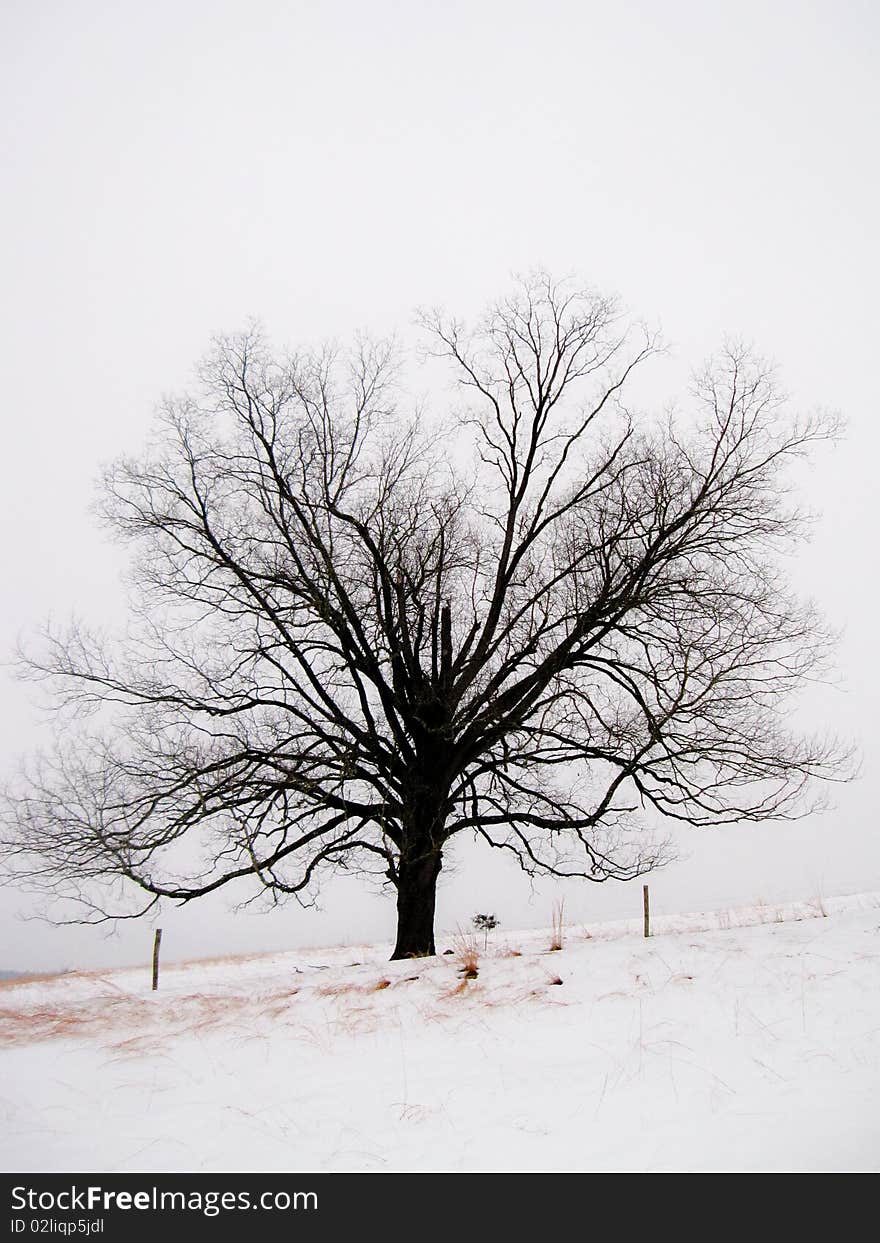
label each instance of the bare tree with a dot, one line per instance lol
(347, 647)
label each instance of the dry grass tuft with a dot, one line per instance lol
(467, 955)
(380, 984)
(457, 990)
(557, 938)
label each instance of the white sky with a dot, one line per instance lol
(169, 170)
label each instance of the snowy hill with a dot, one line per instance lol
(741, 1040)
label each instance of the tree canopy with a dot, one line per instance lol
(356, 635)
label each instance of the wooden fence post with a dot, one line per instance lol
(157, 941)
(647, 911)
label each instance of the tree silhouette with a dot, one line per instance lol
(351, 643)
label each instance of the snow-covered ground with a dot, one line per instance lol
(739, 1040)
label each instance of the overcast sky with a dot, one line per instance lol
(171, 169)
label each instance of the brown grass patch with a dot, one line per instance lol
(46, 1023)
(133, 1022)
(339, 990)
(216, 960)
(37, 978)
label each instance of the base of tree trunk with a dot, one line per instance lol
(400, 952)
(416, 900)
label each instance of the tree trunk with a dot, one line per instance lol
(416, 896)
